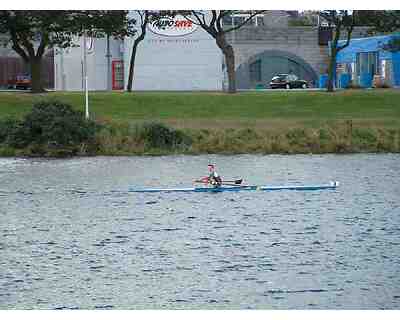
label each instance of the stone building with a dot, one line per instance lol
(275, 47)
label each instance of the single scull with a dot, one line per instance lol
(331, 185)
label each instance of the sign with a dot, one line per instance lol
(172, 27)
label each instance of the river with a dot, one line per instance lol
(73, 237)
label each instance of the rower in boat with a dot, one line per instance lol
(213, 178)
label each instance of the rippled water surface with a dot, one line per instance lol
(72, 236)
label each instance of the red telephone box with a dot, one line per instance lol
(117, 75)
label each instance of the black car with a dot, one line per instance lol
(287, 81)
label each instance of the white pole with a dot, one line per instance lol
(87, 98)
(86, 76)
(108, 56)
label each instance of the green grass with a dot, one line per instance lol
(198, 109)
(252, 122)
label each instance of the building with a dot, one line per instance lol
(175, 55)
(178, 55)
(104, 65)
(369, 62)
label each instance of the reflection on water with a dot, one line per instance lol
(73, 237)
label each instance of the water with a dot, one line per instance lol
(72, 237)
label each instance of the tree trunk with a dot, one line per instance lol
(331, 70)
(36, 74)
(132, 65)
(229, 55)
(145, 21)
(332, 60)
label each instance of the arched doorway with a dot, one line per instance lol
(260, 69)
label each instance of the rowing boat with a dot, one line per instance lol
(331, 185)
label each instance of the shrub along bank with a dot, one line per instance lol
(55, 129)
(334, 137)
(51, 128)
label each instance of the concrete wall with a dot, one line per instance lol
(302, 42)
(186, 62)
(299, 41)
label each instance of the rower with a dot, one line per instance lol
(213, 177)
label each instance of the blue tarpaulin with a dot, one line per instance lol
(396, 68)
(344, 80)
(366, 80)
(371, 44)
(323, 80)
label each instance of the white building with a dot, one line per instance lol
(175, 55)
(69, 71)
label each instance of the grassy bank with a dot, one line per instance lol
(251, 122)
(382, 105)
(333, 137)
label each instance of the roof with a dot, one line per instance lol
(369, 44)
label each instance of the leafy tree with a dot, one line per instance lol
(393, 45)
(214, 27)
(380, 20)
(31, 33)
(340, 21)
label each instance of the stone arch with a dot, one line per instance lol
(272, 62)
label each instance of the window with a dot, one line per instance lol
(259, 21)
(367, 62)
(238, 20)
(255, 71)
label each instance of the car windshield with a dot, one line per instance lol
(281, 77)
(22, 77)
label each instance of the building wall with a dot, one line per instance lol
(186, 62)
(300, 42)
(368, 44)
(69, 65)
(389, 63)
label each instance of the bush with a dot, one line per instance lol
(53, 125)
(7, 126)
(157, 135)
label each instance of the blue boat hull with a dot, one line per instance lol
(332, 185)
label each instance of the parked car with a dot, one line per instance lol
(20, 82)
(287, 81)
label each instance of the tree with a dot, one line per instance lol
(145, 17)
(214, 27)
(393, 45)
(144, 20)
(339, 21)
(32, 33)
(380, 20)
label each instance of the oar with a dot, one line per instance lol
(230, 184)
(201, 181)
(239, 181)
(239, 186)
